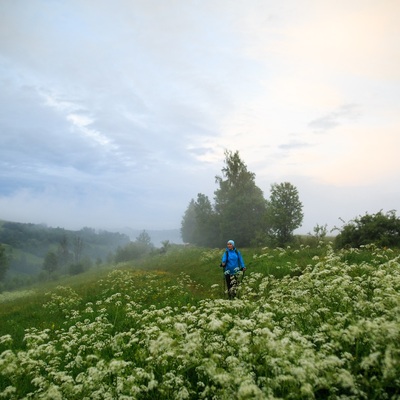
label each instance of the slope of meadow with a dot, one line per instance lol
(306, 324)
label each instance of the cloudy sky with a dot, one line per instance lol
(117, 113)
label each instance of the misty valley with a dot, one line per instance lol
(36, 252)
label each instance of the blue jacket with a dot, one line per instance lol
(235, 261)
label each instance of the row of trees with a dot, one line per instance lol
(240, 210)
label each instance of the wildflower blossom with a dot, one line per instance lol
(284, 338)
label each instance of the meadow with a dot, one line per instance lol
(307, 323)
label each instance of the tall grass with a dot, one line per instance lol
(307, 324)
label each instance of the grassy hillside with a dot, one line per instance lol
(307, 323)
(28, 244)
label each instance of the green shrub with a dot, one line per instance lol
(380, 229)
(132, 251)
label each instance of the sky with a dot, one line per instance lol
(116, 113)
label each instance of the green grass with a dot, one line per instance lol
(308, 323)
(201, 265)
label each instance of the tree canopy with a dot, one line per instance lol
(240, 211)
(284, 212)
(239, 202)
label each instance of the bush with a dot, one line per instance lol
(75, 269)
(380, 229)
(132, 251)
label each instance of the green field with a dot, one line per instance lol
(308, 323)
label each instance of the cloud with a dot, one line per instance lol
(293, 145)
(345, 113)
(122, 111)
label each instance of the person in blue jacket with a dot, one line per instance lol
(232, 262)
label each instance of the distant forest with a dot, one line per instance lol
(28, 244)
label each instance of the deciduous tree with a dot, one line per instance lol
(50, 263)
(284, 212)
(145, 240)
(199, 224)
(239, 202)
(189, 223)
(3, 262)
(77, 249)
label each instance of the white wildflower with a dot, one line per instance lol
(118, 366)
(8, 392)
(180, 327)
(6, 339)
(215, 324)
(249, 390)
(182, 394)
(52, 393)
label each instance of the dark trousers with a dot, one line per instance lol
(231, 283)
